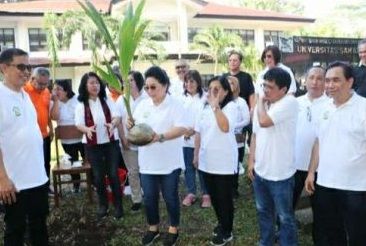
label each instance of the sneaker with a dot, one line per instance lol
(189, 200)
(220, 239)
(102, 212)
(118, 213)
(150, 237)
(170, 239)
(206, 201)
(136, 207)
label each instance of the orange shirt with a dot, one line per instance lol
(41, 101)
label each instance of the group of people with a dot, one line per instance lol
(316, 141)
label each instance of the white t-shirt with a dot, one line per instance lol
(161, 158)
(309, 115)
(243, 116)
(176, 87)
(342, 145)
(259, 83)
(218, 153)
(275, 145)
(193, 106)
(121, 108)
(67, 116)
(98, 118)
(21, 142)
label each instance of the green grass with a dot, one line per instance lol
(75, 223)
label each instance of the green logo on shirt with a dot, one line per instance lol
(16, 111)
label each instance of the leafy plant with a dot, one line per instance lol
(130, 32)
(53, 44)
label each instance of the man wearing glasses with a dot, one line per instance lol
(339, 157)
(37, 88)
(360, 71)
(23, 180)
(177, 84)
(311, 106)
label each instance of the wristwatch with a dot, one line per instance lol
(161, 138)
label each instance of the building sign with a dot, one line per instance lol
(325, 46)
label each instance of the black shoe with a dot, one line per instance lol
(102, 212)
(118, 213)
(220, 239)
(150, 237)
(216, 230)
(136, 207)
(170, 239)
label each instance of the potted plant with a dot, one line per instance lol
(129, 35)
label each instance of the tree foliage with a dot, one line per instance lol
(295, 7)
(215, 42)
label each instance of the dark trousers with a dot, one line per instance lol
(47, 156)
(220, 189)
(73, 151)
(342, 216)
(241, 151)
(300, 177)
(31, 207)
(168, 184)
(104, 160)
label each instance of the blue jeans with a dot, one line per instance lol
(168, 183)
(104, 160)
(275, 198)
(190, 172)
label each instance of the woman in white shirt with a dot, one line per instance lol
(193, 99)
(161, 161)
(129, 151)
(65, 115)
(242, 121)
(97, 118)
(217, 155)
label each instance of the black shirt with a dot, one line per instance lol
(245, 84)
(360, 80)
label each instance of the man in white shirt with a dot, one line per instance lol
(271, 160)
(176, 88)
(339, 156)
(23, 179)
(311, 105)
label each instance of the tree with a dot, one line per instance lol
(214, 43)
(294, 7)
(51, 26)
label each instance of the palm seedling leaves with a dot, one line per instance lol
(130, 32)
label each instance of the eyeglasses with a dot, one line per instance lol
(180, 67)
(152, 87)
(22, 67)
(269, 56)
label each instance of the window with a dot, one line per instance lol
(96, 39)
(7, 37)
(37, 39)
(159, 33)
(192, 31)
(246, 35)
(272, 37)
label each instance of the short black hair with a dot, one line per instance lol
(83, 92)
(226, 86)
(194, 75)
(159, 74)
(346, 67)
(275, 52)
(139, 79)
(235, 52)
(7, 55)
(66, 86)
(281, 77)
